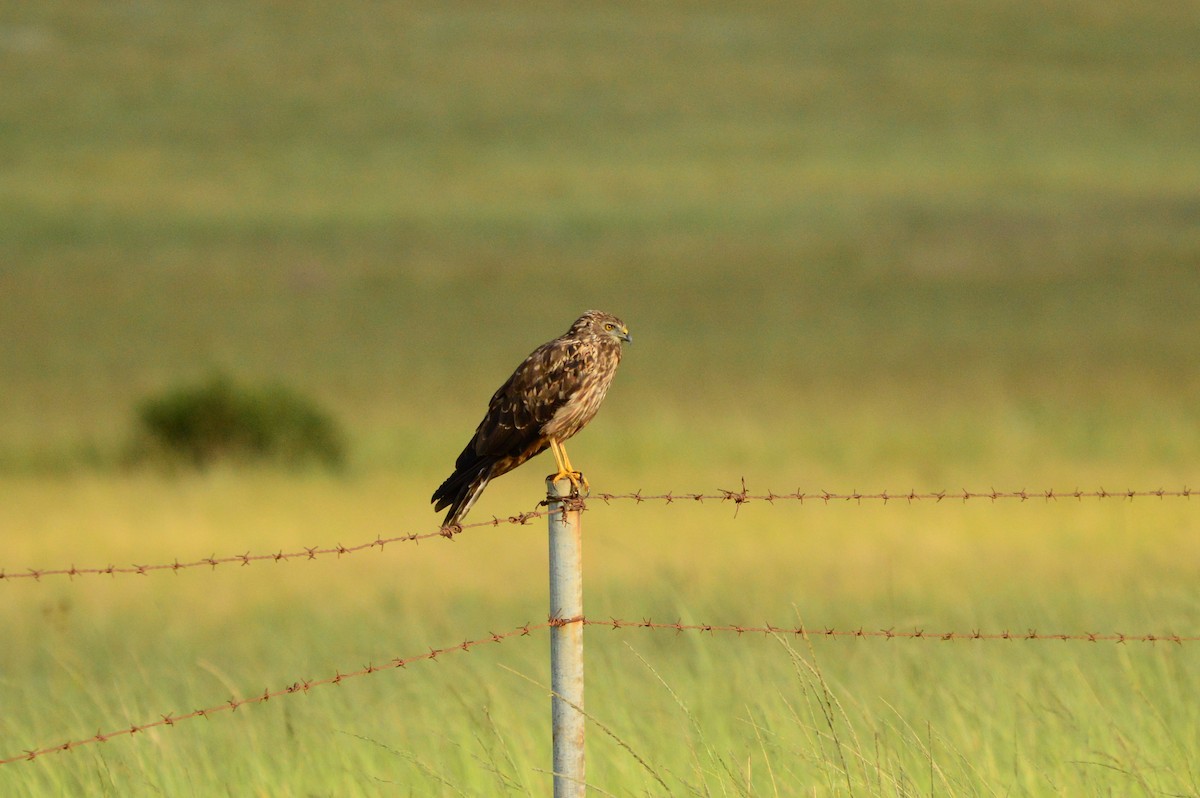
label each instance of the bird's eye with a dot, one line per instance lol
(609, 326)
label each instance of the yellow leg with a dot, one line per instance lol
(558, 461)
(565, 471)
(579, 478)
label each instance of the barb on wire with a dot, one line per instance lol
(743, 496)
(886, 634)
(302, 553)
(302, 686)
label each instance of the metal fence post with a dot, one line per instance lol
(566, 641)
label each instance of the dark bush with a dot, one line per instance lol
(219, 420)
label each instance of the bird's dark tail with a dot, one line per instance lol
(461, 489)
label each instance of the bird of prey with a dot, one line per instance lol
(552, 395)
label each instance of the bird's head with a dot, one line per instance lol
(601, 325)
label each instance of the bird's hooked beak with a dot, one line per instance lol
(624, 335)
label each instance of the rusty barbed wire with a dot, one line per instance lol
(744, 496)
(303, 553)
(886, 634)
(302, 686)
(616, 624)
(737, 497)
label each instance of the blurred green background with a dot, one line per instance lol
(860, 245)
(849, 212)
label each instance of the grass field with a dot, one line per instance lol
(859, 246)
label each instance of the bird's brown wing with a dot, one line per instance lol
(511, 431)
(548, 379)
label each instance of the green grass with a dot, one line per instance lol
(858, 246)
(713, 714)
